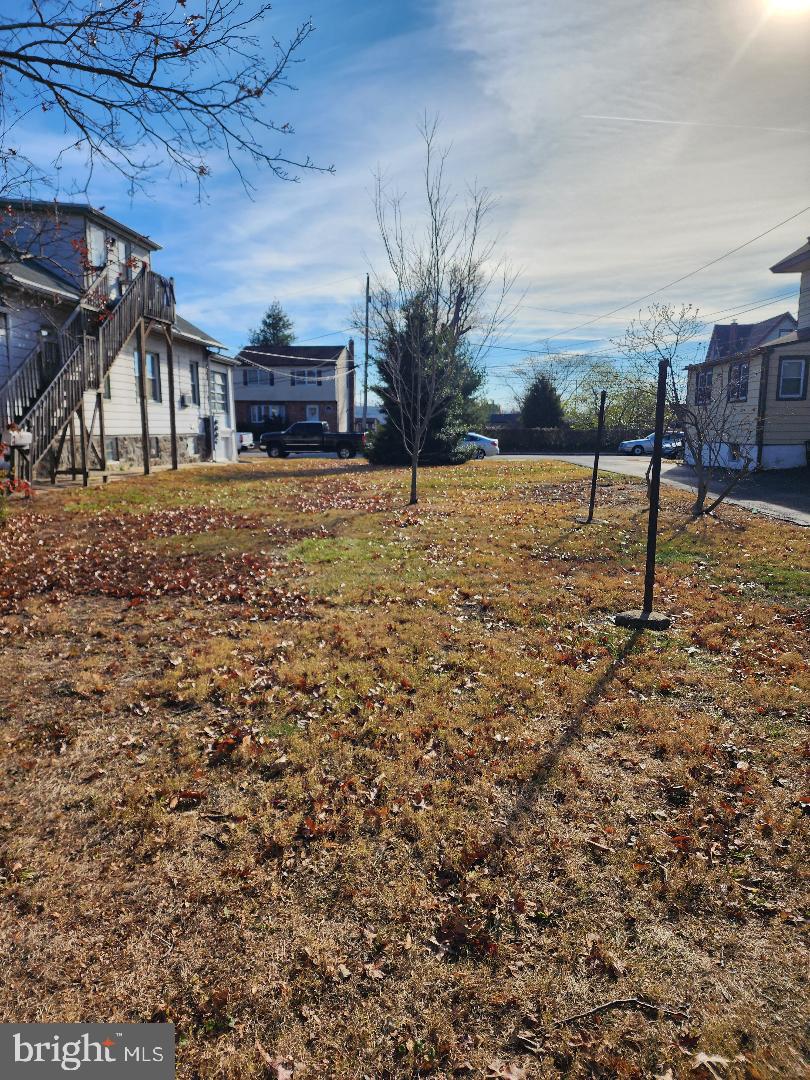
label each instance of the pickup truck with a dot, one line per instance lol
(309, 436)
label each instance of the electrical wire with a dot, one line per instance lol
(683, 277)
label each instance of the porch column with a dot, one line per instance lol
(172, 412)
(83, 443)
(144, 404)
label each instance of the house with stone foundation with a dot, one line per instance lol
(98, 370)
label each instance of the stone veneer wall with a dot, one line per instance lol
(130, 454)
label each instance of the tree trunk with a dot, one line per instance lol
(701, 493)
(414, 468)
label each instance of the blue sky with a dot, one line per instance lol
(626, 144)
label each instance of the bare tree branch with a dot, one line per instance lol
(144, 86)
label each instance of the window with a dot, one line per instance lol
(255, 377)
(194, 369)
(107, 387)
(306, 377)
(738, 382)
(152, 375)
(784, 333)
(111, 449)
(792, 382)
(154, 446)
(260, 413)
(703, 387)
(219, 392)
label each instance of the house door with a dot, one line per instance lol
(313, 412)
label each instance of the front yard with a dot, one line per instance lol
(346, 789)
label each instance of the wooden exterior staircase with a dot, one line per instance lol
(46, 394)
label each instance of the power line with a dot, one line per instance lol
(683, 277)
(765, 302)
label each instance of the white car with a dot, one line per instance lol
(483, 446)
(670, 445)
(244, 441)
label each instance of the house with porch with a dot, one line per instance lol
(80, 306)
(275, 386)
(746, 402)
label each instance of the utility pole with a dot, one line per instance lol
(646, 618)
(365, 365)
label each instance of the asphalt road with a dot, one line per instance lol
(783, 494)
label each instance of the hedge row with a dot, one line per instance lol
(515, 440)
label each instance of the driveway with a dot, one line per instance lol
(779, 493)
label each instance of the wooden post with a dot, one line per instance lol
(144, 404)
(83, 442)
(72, 448)
(172, 412)
(101, 439)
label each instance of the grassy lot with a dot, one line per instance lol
(354, 790)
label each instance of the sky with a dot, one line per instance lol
(626, 145)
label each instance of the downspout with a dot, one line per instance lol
(762, 404)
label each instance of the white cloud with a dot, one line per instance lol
(594, 212)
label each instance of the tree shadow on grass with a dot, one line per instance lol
(571, 730)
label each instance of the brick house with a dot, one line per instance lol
(275, 386)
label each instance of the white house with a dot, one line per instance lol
(79, 303)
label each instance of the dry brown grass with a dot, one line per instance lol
(386, 792)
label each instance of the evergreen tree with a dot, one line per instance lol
(458, 379)
(541, 406)
(276, 328)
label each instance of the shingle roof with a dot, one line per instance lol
(796, 261)
(276, 355)
(184, 328)
(85, 210)
(31, 274)
(734, 339)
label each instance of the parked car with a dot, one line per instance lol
(671, 445)
(309, 436)
(245, 441)
(481, 444)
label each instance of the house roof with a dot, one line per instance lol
(83, 210)
(32, 274)
(287, 355)
(796, 261)
(734, 339)
(185, 329)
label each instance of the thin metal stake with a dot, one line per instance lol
(646, 618)
(599, 430)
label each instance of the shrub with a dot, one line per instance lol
(561, 440)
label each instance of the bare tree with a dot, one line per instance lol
(143, 85)
(718, 436)
(442, 283)
(579, 378)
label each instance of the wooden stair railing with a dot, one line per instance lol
(43, 394)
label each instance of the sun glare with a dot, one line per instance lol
(789, 7)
